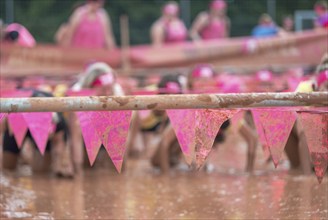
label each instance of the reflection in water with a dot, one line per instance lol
(140, 193)
(102, 195)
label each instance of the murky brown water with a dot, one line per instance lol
(141, 193)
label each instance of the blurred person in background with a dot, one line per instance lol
(212, 24)
(288, 23)
(296, 146)
(169, 28)
(90, 27)
(321, 10)
(61, 35)
(168, 153)
(56, 157)
(101, 78)
(267, 28)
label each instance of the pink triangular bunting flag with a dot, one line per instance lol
(39, 124)
(277, 126)
(260, 133)
(113, 129)
(90, 136)
(316, 133)
(208, 123)
(183, 123)
(16, 120)
(18, 126)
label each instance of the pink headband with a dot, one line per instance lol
(171, 88)
(171, 9)
(103, 80)
(218, 5)
(322, 77)
(203, 71)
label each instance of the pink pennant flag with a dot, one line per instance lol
(18, 126)
(260, 133)
(39, 124)
(316, 133)
(277, 126)
(183, 123)
(113, 129)
(208, 123)
(90, 136)
(16, 121)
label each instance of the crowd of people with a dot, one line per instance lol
(90, 27)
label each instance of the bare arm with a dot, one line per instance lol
(197, 26)
(109, 36)
(74, 22)
(157, 34)
(61, 35)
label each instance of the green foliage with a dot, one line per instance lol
(43, 17)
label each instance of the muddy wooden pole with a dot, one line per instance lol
(161, 102)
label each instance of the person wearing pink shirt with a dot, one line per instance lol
(90, 27)
(169, 28)
(321, 10)
(213, 24)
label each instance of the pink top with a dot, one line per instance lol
(25, 38)
(89, 33)
(175, 31)
(215, 29)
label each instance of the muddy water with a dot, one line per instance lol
(141, 193)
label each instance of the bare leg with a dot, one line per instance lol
(10, 160)
(249, 136)
(292, 149)
(304, 154)
(161, 156)
(76, 143)
(134, 145)
(41, 164)
(62, 160)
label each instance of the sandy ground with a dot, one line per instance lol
(142, 193)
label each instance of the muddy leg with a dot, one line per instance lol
(304, 155)
(161, 156)
(10, 150)
(292, 149)
(249, 136)
(76, 143)
(61, 156)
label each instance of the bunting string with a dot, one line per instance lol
(196, 120)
